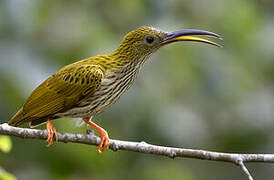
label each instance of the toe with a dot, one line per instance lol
(56, 135)
(104, 144)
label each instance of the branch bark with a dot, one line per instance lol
(143, 147)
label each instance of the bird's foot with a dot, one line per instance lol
(51, 131)
(104, 143)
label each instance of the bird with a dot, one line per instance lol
(87, 87)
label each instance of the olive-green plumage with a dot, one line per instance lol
(85, 88)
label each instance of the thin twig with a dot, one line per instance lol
(241, 164)
(143, 147)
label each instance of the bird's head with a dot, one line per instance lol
(146, 40)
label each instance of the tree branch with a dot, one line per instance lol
(142, 147)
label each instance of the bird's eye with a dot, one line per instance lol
(149, 39)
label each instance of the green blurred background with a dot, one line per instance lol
(187, 95)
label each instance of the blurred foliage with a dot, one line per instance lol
(6, 176)
(5, 144)
(187, 95)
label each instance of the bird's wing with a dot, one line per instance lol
(65, 89)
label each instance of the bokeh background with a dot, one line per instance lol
(187, 95)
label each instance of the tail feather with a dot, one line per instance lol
(17, 119)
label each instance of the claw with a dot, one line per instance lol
(104, 143)
(51, 131)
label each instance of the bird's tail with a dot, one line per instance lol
(17, 119)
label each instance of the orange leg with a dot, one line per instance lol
(51, 131)
(104, 144)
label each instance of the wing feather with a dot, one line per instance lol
(60, 92)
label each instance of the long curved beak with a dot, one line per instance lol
(187, 35)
